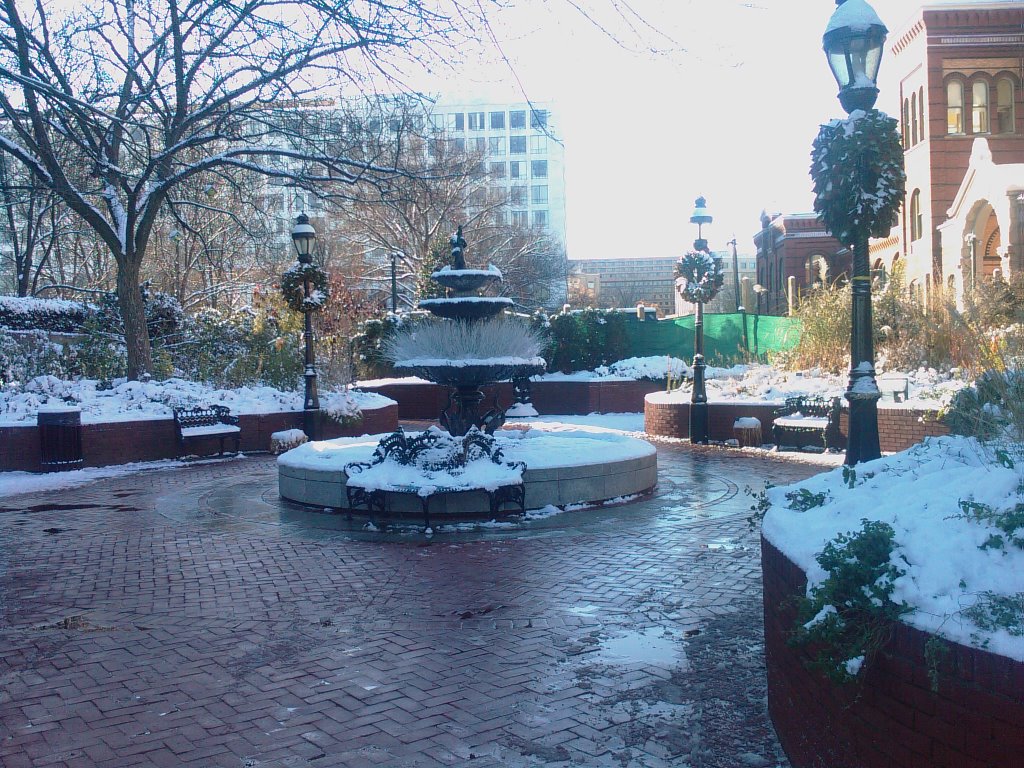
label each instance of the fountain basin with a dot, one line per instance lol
(467, 307)
(471, 372)
(563, 467)
(466, 280)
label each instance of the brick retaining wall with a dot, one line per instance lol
(891, 718)
(426, 401)
(121, 442)
(898, 428)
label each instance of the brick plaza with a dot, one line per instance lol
(184, 618)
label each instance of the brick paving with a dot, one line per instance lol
(182, 618)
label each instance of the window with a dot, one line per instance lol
(496, 145)
(476, 121)
(538, 144)
(539, 194)
(517, 169)
(520, 218)
(979, 107)
(906, 124)
(498, 170)
(481, 144)
(456, 121)
(498, 217)
(517, 195)
(913, 120)
(916, 218)
(540, 218)
(1005, 117)
(517, 145)
(458, 145)
(517, 120)
(539, 169)
(437, 121)
(497, 121)
(955, 107)
(539, 119)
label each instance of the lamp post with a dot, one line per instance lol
(304, 236)
(740, 309)
(853, 43)
(972, 245)
(699, 395)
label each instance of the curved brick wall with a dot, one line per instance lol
(426, 401)
(893, 719)
(120, 442)
(898, 428)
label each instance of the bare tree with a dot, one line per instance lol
(31, 219)
(115, 104)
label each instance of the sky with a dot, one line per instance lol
(719, 98)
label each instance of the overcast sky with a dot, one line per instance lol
(728, 109)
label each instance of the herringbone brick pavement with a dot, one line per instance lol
(181, 618)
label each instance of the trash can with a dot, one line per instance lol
(60, 438)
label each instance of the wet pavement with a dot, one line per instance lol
(189, 617)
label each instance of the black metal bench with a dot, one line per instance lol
(193, 424)
(802, 418)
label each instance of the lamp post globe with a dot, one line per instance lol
(304, 238)
(853, 43)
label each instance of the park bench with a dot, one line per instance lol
(204, 422)
(806, 417)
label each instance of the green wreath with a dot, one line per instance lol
(292, 287)
(699, 277)
(859, 181)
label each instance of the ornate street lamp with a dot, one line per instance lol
(859, 184)
(304, 236)
(853, 42)
(699, 278)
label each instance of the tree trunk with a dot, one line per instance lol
(133, 314)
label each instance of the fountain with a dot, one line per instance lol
(462, 355)
(473, 468)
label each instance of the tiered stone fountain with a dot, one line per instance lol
(407, 474)
(466, 375)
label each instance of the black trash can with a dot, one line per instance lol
(60, 439)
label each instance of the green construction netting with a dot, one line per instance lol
(723, 336)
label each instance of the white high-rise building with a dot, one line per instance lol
(524, 149)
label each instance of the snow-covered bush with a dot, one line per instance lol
(991, 409)
(56, 315)
(657, 368)
(26, 355)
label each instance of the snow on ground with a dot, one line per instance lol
(929, 389)
(625, 423)
(135, 400)
(918, 492)
(13, 483)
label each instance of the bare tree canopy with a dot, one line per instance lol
(116, 105)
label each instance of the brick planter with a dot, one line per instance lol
(570, 398)
(122, 442)
(898, 428)
(891, 718)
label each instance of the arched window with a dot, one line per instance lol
(920, 107)
(955, 107)
(979, 107)
(1005, 117)
(913, 120)
(916, 218)
(906, 123)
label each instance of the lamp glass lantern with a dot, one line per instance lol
(853, 41)
(303, 236)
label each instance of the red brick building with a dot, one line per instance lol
(796, 246)
(960, 72)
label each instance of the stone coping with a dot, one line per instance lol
(556, 485)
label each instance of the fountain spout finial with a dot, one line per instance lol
(458, 250)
